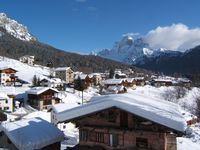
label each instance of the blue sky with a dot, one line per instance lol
(84, 25)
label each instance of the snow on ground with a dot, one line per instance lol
(25, 71)
(192, 141)
(19, 92)
(71, 136)
(42, 114)
(74, 96)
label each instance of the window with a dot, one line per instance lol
(6, 108)
(6, 101)
(83, 135)
(142, 142)
(64, 126)
(99, 137)
(113, 140)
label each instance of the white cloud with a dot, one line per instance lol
(174, 37)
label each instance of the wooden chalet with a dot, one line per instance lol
(131, 82)
(162, 82)
(140, 81)
(85, 79)
(121, 123)
(42, 97)
(7, 76)
(115, 82)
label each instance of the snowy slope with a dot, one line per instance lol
(132, 50)
(25, 72)
(15, 29)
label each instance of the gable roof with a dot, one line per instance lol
(129, 80)
(39, 90)
(81, 76)
(114, 81)
(62, 68)
(4, 68)
(34, 133)
(155, 110)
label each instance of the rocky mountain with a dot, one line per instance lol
(15, 29)
(185, 63)
(137, 51)
(16, 41)
(133, 50)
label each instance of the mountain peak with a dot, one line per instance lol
(15, 29)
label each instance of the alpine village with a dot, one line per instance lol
(114, 99)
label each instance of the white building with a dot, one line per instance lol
(51, 82)
(27, 59)
(7, 76)
(65, 73)
(6, 103)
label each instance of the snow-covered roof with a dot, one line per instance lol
(185, 80)
(162, 80)
(30, 56)
(62, 68)
(52, 80)
(155, 110)
(57, 108)
(130, 79)
(121, 74)
(3, 68)
(139, 78)
(116, 88)
(34, 133)
(39, 90)
(95, 74)
(113, 81)
(82, 76)
(3, 96)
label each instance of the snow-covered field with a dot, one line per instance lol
(25, 72)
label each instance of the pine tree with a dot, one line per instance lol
(111, 73)
(34, 81)
(79, 85)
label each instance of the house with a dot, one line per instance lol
(162, 82)
(30, 134)
(184, 82)
(115, 82)
(126, 121)
(41, 97)
(6, 103)
(28, 59)
(140, 81)
(114, 90)
(86, 79)
(51, 82)
(131, 82)
(65, 73)
(96, 78)
(7, 76)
